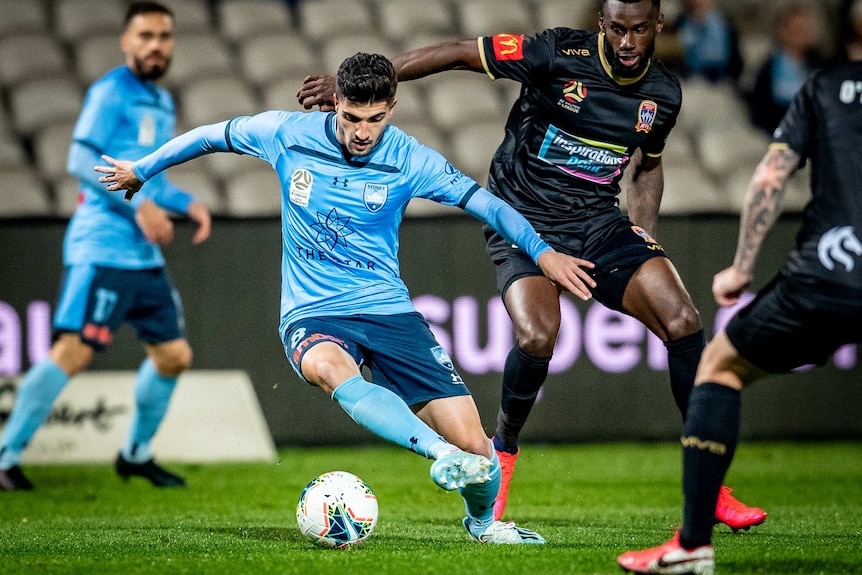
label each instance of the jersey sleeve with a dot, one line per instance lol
(432, 177)
(516, 56)
(796, 127)
(256, 135)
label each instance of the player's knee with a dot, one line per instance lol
(685, 322)
(478, 445)
(173, 360)
(71, 354)
(537, 342)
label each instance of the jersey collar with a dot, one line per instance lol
(610, 72)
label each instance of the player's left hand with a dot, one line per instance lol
(317, 91)
(119, 176)
(568, 273)
(199, 214)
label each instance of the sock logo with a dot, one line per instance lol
(704, 444)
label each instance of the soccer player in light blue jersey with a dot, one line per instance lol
(114, 269)
(346, 179)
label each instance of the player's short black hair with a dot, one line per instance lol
(656, 3)
(366, 79)
(136, 8)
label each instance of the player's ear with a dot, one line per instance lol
(659, 24)
(392, 105)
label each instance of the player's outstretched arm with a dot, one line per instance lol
(318, 90)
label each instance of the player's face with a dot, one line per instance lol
(359, 126)
(630, 30)
(148, 43)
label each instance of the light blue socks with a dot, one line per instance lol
(40, 387)
(382, 412)
(479, 497)
(152, 397)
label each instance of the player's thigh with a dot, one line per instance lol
(457, 420)
(656, 296)
(323, 351)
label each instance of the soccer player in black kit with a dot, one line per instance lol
(811, 307)
(591, 105)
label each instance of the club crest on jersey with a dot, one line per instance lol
(375, 196)
(646, 116)
(442, 357)
(300, 187)
(508, 46)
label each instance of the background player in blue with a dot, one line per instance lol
(114, 269)
(346, 179)
(802, 316)
(590, 105)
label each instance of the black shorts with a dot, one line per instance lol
(785, 327)
(609, 240)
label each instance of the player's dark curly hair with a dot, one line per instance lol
(366, 79)
(136, 8)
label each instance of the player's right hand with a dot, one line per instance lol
(155, 223)
(568, 273)
(317, 91)
(728, 285)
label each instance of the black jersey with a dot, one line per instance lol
(824, 124)
(574, 127)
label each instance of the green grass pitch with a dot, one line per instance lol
(590, 501)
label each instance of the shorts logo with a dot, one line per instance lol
(574, 92)
(302, 346)
(836, 246)
(300, 187)
(508, 46)
(651, 244)
(646, 116)
(375, 196)
(98, 333)
(442, 357)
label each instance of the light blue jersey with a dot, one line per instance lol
(122, 117)
(340, 215)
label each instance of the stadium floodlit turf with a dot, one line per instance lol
(591, 502)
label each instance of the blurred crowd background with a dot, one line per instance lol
(740, 63)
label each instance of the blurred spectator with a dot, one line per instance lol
(850, 18)
(709, 43)
(793, 58)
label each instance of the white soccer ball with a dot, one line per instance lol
(337, 510)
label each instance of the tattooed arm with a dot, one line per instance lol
(759, 213)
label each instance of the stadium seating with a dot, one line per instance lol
(23, 193)
(241, 19)
(251, 55)
(19, 17)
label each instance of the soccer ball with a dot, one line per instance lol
(337, 510)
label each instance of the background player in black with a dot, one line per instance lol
(591, 104)
(811, 307)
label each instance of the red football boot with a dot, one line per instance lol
(670, 558)
(736, 514)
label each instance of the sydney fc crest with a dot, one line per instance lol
(375, 196)
(442, 357)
